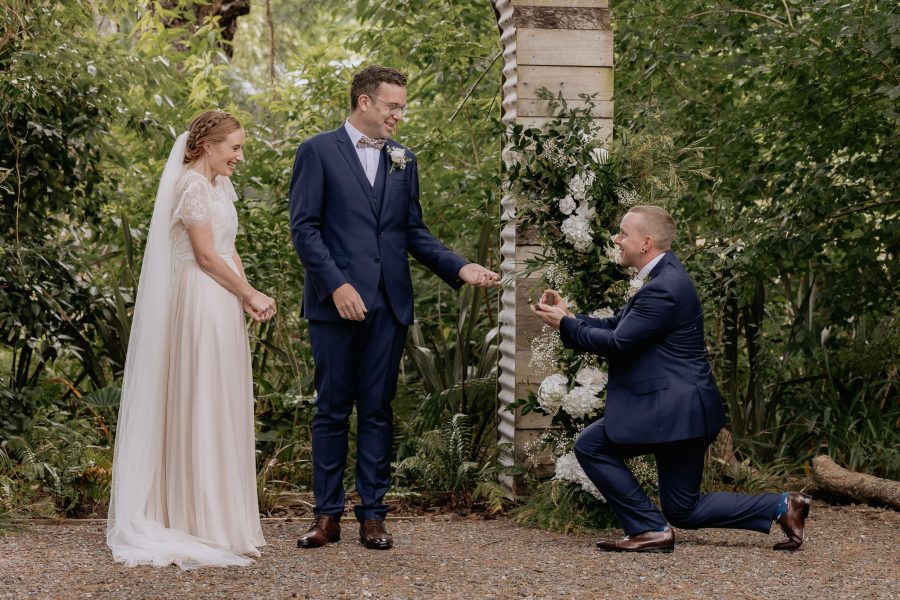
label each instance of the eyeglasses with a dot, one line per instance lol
(394, 109)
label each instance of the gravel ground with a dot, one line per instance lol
(850, 552)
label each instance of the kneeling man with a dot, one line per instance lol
(661, 399)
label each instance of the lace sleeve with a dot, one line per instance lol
(229, 189)
(193, 205)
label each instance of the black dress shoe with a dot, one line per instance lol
(793, 521)
(325, 529)
(649, 541)
(374, 536)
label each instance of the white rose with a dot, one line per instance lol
(397, 154)
(567, 205)
(586, 211)
(614, 254)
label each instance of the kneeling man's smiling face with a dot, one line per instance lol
(630, 239)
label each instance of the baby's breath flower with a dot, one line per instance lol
(545, 350)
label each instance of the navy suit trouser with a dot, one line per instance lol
(357, 363)
(680, 469)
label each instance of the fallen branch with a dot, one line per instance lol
(856, 486)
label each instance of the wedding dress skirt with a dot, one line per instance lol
(184, 473)
(208, 483)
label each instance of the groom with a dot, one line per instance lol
(661, 400)
(355, 214)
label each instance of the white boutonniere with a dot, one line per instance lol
(635, 285)
(398, 158)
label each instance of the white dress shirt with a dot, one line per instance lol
(649, 266)
(368, 157)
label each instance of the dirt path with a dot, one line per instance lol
(850, 552)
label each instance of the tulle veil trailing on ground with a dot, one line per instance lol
(133, 537)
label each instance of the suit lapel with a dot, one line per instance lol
(350, 155)
(386, 159)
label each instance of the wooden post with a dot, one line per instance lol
(565, 46)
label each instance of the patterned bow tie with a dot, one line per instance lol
(367, 142)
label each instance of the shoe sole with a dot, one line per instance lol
(654, 550)
(374, 546)
(791, 545)
(331, 540)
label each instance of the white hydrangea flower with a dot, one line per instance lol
(567, 205)
(593, 378)
(568, 469)
(580, 184)
(580, 402)
(578, 232)
(553, 389)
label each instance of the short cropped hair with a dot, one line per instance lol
(366, 82)
(657, 223)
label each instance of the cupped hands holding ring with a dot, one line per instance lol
(259, 306)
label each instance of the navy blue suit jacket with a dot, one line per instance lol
(345, 232)
(661, 387)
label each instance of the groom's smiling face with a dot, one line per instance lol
(379, 114)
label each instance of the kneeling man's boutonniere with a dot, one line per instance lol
(398, 158)
(635, 285)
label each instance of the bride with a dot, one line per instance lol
(183, 482)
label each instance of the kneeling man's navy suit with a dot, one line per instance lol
(661, 399)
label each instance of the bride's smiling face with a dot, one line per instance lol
(222, 157)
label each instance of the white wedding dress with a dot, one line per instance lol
(184, 476)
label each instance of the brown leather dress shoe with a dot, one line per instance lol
(793, 520)
(374, 536)
(325, 529)
(649, 541)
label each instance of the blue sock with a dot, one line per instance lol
(782, 506)
(663, 528)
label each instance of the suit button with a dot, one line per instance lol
(378, 260)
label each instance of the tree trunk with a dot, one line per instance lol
(228, 12)
(856, 486)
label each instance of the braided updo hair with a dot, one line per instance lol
(211, 126)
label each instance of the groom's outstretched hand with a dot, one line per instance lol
(349, 303)
(478, 276)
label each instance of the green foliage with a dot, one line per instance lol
(456, 371)
(562, 506)
(93, 95)
(796, 233)
(449, 467)
(54, 467)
